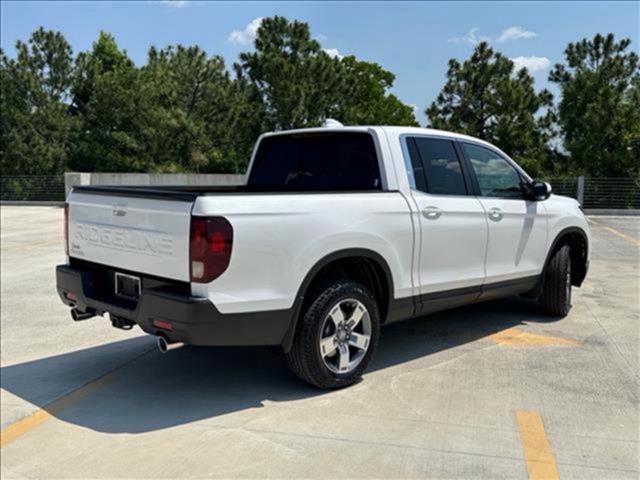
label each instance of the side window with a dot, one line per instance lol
(496, 177)
(436, 166)
(416, 164)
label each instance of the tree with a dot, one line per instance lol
(107, 100)
(200, 114)
(179, 112)
(599, 114)
(182, 110)
(104, 57)
(300, 85)
(294, 77)
(37, 134)
(365, 100)
(484, 97)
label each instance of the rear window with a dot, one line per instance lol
(316, 162)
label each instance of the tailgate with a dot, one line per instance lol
(145, 235)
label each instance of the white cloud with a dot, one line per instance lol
(175, 3)
(533, 64)
(471, 37)
(321, 38)
(334, 53)
(511, 33)
(248, 35)
(514, 33)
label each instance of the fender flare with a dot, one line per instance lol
(287, 341)
(563, 233)
(556, 241)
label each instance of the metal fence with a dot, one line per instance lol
(592, 193)
(32, 188)
(600, 193)
(565, 186)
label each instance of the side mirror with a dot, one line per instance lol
(539, 190)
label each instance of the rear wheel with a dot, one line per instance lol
(556, 293)
(337, 336)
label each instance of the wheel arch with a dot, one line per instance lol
(578, 241)
(361, 264)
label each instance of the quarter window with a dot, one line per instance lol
(496, 176)
(436, 166)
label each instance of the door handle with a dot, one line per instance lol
(495, 214)
(432, 213)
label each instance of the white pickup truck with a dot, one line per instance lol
(337, 232)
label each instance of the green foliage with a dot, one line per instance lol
(183, 110)
(197, 114)
(294, 77)
(300, 85)
(108, 100)
(599, 114)
(486, 98)
(37, 133)
(180, 112)
(105, 57)
(364, 97)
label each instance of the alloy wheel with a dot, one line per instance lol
(345, 336)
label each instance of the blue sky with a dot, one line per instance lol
(412, 39)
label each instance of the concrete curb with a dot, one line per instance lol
(612, 211)
(26, 203)
(72, 179)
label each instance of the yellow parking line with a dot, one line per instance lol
(541, 463)
(22, 426)
(628, 238)
(19, 428)
(514, 337)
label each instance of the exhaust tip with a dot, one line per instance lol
(78, 315)
(163, 346)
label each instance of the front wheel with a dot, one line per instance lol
(337, 336)
(556, 293)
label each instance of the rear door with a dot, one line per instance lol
(517, 226)
(453, 227)
(145, 235)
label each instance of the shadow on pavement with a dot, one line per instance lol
(160, 391)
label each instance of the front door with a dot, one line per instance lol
(517, 226)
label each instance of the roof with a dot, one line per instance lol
(389, 129)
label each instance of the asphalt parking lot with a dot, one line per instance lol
(487, 391)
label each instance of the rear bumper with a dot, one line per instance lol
(194, 320)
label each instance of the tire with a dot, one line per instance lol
(555, 299)
(336, 337)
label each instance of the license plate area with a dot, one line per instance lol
(127, 286)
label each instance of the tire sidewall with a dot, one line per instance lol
(556, 296)
(563, 268)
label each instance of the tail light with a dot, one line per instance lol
(210, 242)
(66, 229)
